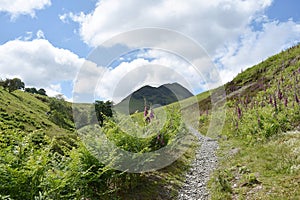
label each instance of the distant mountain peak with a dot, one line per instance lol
(162, 95)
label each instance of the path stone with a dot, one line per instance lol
(194, 187)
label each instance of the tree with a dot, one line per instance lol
(103, 109)
(35, 91)
(13, 84)
(42, 92)
(31, 90)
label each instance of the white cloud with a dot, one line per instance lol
(64, 18)
(20, 7)
(87, 77)
(164, 67)
(40, 34)
(224, 28)
(256, 46)
(74, 17)
(38, 63)
(211, 23)
(55, 89)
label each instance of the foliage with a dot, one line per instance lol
(262, 108)
(12, 84)
(41, 158)
(36, 171)
(148, 136)
(103, 109)
(61, 113)
(33, 90)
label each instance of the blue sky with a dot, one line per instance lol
(47, 42)
(284, 10)
(47, 20)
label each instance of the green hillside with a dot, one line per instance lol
(27, 112)
(42, 157)
(260, 141)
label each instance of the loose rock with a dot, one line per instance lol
(194, 187)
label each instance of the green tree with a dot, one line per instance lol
(31, 90)
(42, 92)
(13, 84)
(103, 109)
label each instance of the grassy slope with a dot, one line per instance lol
(27, 112)
(251, 164)
(259, 155)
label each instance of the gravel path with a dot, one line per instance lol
(197, 177)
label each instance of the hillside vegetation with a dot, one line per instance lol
(43, 157)
(259, 150)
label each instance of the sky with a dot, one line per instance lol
(105, 49)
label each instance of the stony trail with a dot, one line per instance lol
(194, 187)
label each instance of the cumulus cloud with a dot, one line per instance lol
(151, 67)
(163, 67)
(74, 17)
(87, 78)
(38, 63)
(224, 28)
(256, 46)
(19, 7)
(53, 89)
(210, 23)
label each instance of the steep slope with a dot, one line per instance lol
(259, 77)
(259, 145)
(28, 112)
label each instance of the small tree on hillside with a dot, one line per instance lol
(13, 84)
(35, 91)
(31, 90)
(103, 109)
(42, 92)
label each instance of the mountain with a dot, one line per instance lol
(43, 158)
(159, 96)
